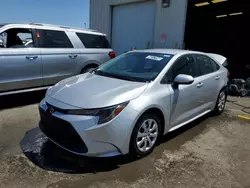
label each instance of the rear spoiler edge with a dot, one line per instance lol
(219, 58)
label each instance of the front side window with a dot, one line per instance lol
(93, 41)
(135, 66)
(184, 65)
(16, 38)
(54, 39)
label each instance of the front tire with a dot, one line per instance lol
(221, 103)
(145, 135)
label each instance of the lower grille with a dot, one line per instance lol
(61, 132)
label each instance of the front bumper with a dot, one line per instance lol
(82, 135)
(61, 132)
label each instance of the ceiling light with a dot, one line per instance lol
(201, 4)
(218, 1)
(221, 16)
(237, 13)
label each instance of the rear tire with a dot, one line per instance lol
(243, 93)
(145, 135)
(221, 103)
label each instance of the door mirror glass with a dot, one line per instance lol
(1, 43)
(3, 39)
(183, 79)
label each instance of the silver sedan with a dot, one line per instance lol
(129, 102)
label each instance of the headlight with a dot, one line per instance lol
(104, 114)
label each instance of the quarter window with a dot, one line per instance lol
(214, 65)
(206, 65)
(54, 39)
(184, 65)
(93, 41)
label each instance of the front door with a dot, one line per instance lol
(20, 63)
(59, 57)
(184, 99)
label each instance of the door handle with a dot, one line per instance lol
(217, 77)
(73, 56)
(31, 57)
(199, 85)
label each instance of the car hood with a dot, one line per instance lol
(94, 91)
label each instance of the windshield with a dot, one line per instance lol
(135, 66)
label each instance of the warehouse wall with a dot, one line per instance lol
(169, 21)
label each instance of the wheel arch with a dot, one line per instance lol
(153, 109)
(90, 64)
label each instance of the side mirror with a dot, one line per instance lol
(1, 43)
(183, 79)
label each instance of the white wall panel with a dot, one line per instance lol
(135, 30)
(170, 21)
(100, 14)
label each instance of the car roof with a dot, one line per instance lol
(53, 27)
(216, 57)
(168, 51)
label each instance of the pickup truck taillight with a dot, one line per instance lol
(112, 54)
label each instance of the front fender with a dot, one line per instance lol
(142, 108)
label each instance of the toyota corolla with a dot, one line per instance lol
(129, 102)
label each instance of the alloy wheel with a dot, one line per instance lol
(147, 135)
(222, 101)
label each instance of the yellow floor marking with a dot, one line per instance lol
(244, 117)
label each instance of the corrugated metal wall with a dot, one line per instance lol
(100, 15)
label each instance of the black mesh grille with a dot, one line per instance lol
(61, 132)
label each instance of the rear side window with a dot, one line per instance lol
(54, 39)
(214, 65)
(205, 64)
(93, 41)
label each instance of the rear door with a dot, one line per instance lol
(20, 65)
(209, 80)
(59, 57)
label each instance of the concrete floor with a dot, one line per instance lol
(210, 152)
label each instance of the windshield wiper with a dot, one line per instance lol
(102, 73)
(122, 77)
(126, 78)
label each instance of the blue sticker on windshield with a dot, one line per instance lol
(151, 57)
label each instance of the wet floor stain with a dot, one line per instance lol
(17, 171)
